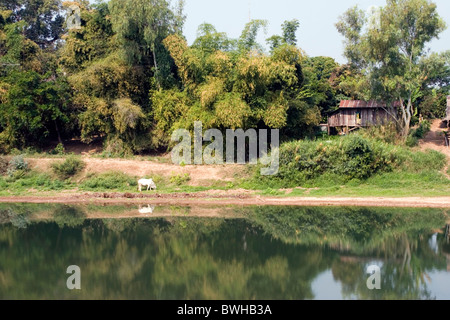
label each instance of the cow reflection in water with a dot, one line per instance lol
(147, 209)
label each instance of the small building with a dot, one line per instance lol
(354, 114)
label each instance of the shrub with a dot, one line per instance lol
(33, 179)
(59, 149)
(387, 133)
(180, 179)
(419, 133)
(412, 141)
(423, 129)
(68, 168)
(344, 159)
(18, 163)
(17, 166)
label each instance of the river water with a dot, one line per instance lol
(228, 252)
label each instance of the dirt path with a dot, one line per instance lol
(434, 140)
(225, 198)
(199, 175)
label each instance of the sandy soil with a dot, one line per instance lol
(435, 139)
(225, 198)
(199, 175)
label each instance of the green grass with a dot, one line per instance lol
(320, 168)
(40, 182)
(109, 181)
(391, 184)
(354, 166)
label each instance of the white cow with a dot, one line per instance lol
(146, 183)
(146, 210)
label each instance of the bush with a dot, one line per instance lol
(348, 160)
(17, 166)
(33, 179)
(180, 179)
(18, 163)
(423, 129)
(109, 181)
(59, 149)
(387, 133)
(419, 133)
(411, 141)
(68, 168)
(353, 157)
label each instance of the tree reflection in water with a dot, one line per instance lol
(267, 253)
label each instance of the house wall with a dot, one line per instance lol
(448, 107)
(367, 117)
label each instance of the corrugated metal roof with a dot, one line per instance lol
(363, 104)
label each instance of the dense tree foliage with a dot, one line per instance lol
(388, 49)
(126, 75)
(240, 88)
(34, 97)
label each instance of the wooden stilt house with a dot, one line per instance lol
(353, 114)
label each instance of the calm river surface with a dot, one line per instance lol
(286, 253)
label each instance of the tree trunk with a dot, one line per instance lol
(156, 65)
(58, 133)
(406, 115)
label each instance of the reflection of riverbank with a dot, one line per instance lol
(446, 245)
(226, 198)
(219, 252)
(129, 211)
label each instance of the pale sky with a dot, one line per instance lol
(317, 34)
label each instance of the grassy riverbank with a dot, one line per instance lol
(353, 166)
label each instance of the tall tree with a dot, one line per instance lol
(389, 53)
(289, 31)
(210, 40)
(33, 98)
(110, 96)
(248, 39)
(44, 19)
(141, 26)
(289, 35)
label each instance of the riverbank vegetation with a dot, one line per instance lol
(350, 166)
(129, 84)
(117, 80)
